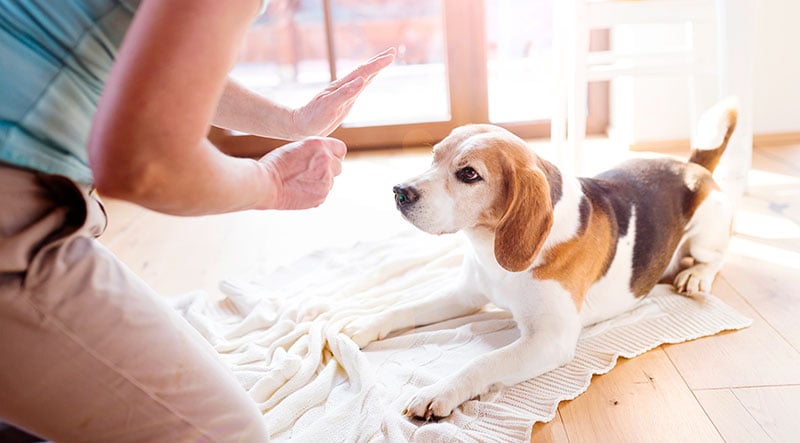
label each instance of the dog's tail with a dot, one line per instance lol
(714, 129)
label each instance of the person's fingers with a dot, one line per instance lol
(386, 52)
(375, 66)
(327, 109)
(338, 148)
(336, 167)
(320, 168)
(347, 105)
(367, 71)
(379, 61)
(345, 93)
(370, 67)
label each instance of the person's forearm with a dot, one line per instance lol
(243, 146)
(217, 183)
(244, 110)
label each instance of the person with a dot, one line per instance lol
(118, 96)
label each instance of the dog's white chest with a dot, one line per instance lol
(503, 288)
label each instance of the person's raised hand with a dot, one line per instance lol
(302, 172)
(326, 110)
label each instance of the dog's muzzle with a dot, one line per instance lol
(405, 196)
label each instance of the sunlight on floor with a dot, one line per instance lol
(765, 228)
(758, 178)
(767, 253)
(766, 225)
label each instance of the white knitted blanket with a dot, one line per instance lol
(281, 335)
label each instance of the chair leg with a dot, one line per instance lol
(558, 120)
(577, 90)
(735, 29)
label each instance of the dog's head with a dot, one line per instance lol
(484, 177)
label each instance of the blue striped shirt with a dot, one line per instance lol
(54, 60)
(55, 57)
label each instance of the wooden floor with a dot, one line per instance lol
(742, 386)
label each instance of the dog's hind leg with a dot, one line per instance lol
(707, 238)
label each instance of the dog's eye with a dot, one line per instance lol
(467, 175)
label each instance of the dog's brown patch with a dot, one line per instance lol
(579, 262)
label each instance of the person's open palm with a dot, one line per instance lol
(326, 110)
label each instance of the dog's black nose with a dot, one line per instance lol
(405, 195)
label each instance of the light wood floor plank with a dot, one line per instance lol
(730, 417)
(754, 414)
(776, 409)
(773, 289)
(642, 399)
(550, 432)
(755, 356)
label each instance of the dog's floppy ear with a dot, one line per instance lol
(526, 222)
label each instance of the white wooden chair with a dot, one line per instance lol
(727, 58)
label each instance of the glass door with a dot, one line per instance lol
(458, 62)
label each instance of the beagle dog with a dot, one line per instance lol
(558, 252)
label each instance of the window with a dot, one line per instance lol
(459, 61)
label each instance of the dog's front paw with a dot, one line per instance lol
(366, 330)
(695, 280)
(438, 400)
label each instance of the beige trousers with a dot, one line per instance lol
(88, 352)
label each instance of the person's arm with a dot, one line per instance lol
(246, 111)
(148, 144)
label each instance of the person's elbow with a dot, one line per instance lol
(123, 177)
(111, 182)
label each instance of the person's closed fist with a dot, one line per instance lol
(303, 172)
